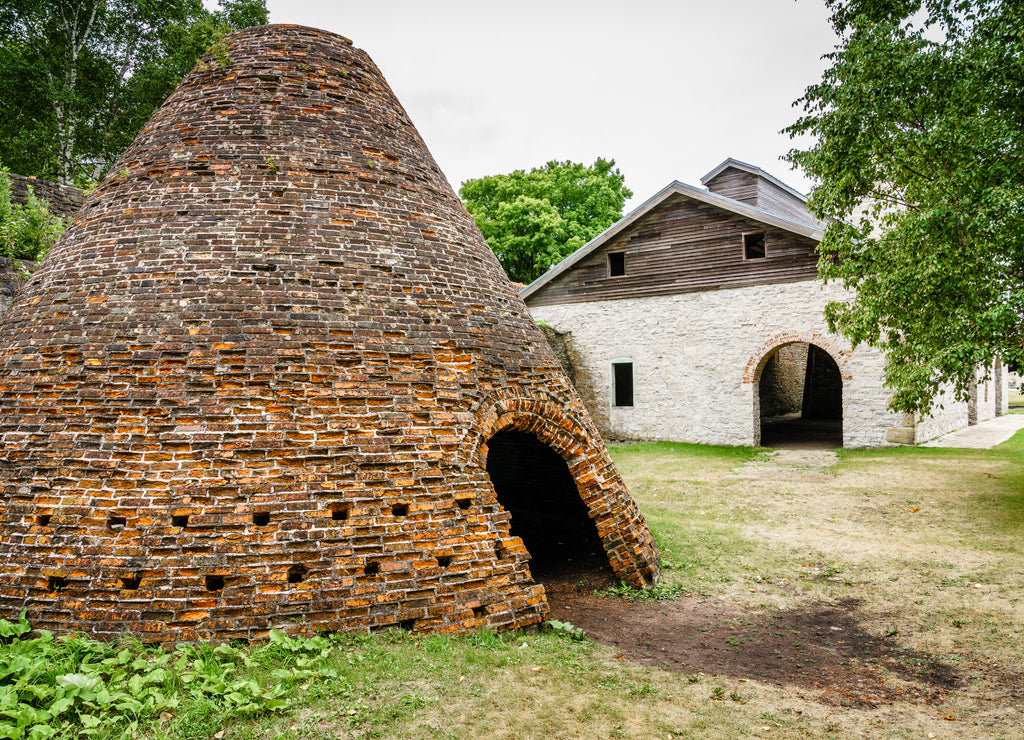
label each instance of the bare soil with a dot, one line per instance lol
(820, 647)
(830, 650)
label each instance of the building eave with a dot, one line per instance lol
(673, 188)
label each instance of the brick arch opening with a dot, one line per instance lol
(798, 398)
(535, 485)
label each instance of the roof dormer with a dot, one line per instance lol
(751, 185)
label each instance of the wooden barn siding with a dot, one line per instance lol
(683, 247)
(735, 184)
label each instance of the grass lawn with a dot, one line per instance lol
(921, 547)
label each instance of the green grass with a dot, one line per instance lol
(909, 532)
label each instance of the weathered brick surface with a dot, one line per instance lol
(253, 385)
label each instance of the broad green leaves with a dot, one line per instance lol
(72, 687)
(919, 156)
(533, 220)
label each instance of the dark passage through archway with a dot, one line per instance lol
(800, 397)
(535, 487)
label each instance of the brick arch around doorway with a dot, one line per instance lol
(515, 420)
(808, 427)
(752, 370)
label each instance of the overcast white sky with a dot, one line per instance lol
(666, 89)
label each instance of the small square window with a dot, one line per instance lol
(622, 383)
(616, 264)
(753, 246)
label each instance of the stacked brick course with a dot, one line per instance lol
(252, 386)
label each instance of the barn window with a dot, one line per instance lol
(616, 264)
(622, 383)
(753, 246)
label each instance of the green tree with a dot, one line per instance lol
(919, 163)
(79, 78)
(26, 231)
(533, 220)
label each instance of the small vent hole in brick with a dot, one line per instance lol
(261, 518)
(296, 574)
(116, 522)
(407, 624)
(464, 503)
(400, 509)
(372, 569)
(131, 583)
(339, 512)
(480, 612)
(264, 268)
(43, 520)
(444, 560)
(179, 520)
(214, 583)
(57, 583)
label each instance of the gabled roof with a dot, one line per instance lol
(753, 170)
(687, 191)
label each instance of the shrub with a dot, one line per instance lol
(26, 231)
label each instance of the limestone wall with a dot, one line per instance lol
(947, 414)
(697, 358)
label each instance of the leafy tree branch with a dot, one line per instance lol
(919, 162)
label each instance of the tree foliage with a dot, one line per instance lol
(533, 220)
(79, 78)
(919, 159)
(26, 231)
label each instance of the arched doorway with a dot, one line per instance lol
(800, 398)
(534, 485)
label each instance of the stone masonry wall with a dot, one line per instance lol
(946, 415)
(696, 357)
(63, 200)
(782, 381)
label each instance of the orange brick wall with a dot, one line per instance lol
(253, 384)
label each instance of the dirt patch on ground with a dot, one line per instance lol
(820, 647)
(839, 644)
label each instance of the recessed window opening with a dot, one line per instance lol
(115, 521)
(622, 383)
(214, 583)
(616, 264)
(753, 246)
(339, 512)
(800, 398)
(261, 518)
(296, 574)
(535, 486)
(131, 583)
(400, 509)
(179, 520)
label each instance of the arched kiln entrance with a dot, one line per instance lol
(799, 399)
(535, 486)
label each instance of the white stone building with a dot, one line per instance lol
(702, 308)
